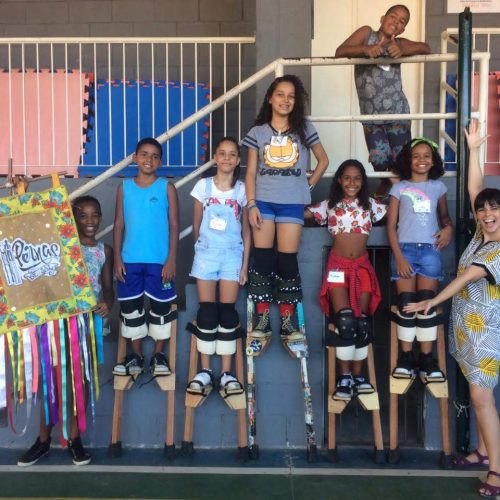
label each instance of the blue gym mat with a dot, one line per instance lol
(143, 101)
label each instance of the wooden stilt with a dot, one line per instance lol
(115, 448)
(332, 444)
(243, 452)
(393, 416)
(187, 441)
(376, 423)
(169, 449)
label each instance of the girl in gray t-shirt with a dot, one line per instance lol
(277, 189)
(418, 228)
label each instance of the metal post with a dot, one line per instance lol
(463, 235)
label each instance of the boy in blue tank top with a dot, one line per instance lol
(145, 241)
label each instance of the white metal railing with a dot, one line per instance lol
(42, 75)
(481, 40)
(277, 68)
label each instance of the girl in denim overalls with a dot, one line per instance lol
(222, 247)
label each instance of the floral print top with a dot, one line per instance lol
(347, 216)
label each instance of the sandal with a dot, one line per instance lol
(488, 490)
(231, 386)
(465, 463)
(197, 387)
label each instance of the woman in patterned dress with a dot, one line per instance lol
(475, 327)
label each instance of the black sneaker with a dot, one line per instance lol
(405, 367)
(263, 326)
(429, 370)
(362, 386)
(344, 388)
(133, 365)
(288, 329)
(159, 365)
(78, 452)
(35, 453)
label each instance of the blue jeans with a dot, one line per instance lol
(424, 258)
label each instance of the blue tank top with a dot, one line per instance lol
(145, 211)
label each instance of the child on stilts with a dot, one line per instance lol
(418, 228)
(350, 292)
(277, 189)
(222, 248)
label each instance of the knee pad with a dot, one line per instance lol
(160, 317)
(228, 329)
(346, 324)
(260, 286)
(264, 261)
(364, 333)
(131, 305)
(406, 322)
(205, 330)
(288, 291)
(360, 353)
(345, 353)
(427, 323)
(134, 325)
(288, 266)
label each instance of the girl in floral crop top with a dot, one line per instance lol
(350, 292)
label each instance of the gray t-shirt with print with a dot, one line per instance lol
(282, 164)
(418, 214)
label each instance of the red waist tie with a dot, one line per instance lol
(352, 265)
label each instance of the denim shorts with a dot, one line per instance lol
(216, 264)
(282, 212)
(424, 258)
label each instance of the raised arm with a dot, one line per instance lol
(475, 175)
(411, 48)
(355, 45)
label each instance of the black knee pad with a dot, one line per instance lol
(207, 317)
(129, 306)
(364, 334)
(404, 298)
(346, 324)
(264, 261)
(288, 266)
(228, 316)
(160, 308)
(426, 295)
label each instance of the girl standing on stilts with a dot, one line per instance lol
(350, 292)
(277, 189)
(418, 228)
(222, 235)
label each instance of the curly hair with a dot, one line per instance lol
(336, 193)
(297, 118)
(402, 166)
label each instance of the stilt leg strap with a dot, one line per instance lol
(207, 336)
(163, 319)
(230, 334)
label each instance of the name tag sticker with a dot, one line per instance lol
(218, 224)
(279, 140)
(422, 206)
(335, 277)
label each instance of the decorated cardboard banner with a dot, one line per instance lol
(42, 272)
